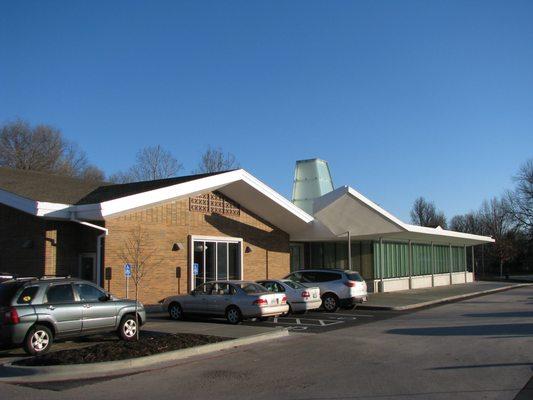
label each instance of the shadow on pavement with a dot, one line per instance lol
(486, 366)
(509, 314)
(471, 330)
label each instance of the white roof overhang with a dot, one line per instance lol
(238, 185)
(346, 210)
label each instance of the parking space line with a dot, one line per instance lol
(304, 324)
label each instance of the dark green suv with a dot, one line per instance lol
(35, 312)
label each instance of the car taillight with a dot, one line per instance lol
(350, 283)
(306, 294)
(260, 302)
(11, 316)
(283, 299)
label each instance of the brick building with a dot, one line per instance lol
(226, 225)
(192, 229)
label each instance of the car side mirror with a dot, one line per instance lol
(105, 297)
(193, 293)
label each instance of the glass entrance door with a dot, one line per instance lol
(215, 260)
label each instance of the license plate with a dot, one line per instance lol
(314, 296)
(275, 301)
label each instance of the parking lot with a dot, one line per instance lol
(315, 322)
(321, 321)
(312, 322)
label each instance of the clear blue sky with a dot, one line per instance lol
(403, 98)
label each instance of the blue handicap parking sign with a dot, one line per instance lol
(127, 270)
(195, 269)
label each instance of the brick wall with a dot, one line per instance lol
(32, 246)
(21, 242)
(172, 222)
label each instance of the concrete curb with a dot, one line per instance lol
(443, 300)
(21, 374)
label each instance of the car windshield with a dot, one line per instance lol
(7, 292)
(252, 288)
(354, 276)
(294, 285)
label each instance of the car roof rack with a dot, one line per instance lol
(45, 277)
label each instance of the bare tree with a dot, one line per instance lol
(137, 252)
(150, 163)
(424, 213)
(43, 148)
(520, 201)
(467, 223)
(498, 224)
(214, 160)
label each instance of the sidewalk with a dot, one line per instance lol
(416, 298)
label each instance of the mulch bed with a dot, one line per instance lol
(148, 344)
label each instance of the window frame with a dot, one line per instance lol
(75, 298)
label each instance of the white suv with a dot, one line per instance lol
(338, 287)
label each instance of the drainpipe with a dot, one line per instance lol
(99, 239)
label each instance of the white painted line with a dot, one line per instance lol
(322, 322)
(343, 315)
(329, 323)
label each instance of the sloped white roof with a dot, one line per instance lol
(238, 185)
(346, 210)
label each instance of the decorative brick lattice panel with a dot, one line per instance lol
(214, 203)
(199, 203)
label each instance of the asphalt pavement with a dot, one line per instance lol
(474, 349)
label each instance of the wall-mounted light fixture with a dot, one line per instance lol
(177, 246)
(248, 249)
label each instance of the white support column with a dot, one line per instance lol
(466, 266)
(432, 265)
(381, 265)
(349, 251)
(451, 264)
(473, 265)
(410, 265)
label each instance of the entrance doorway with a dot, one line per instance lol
(215, 259)
(87, 267)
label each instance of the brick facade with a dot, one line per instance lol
(173, 222)
(33, 246)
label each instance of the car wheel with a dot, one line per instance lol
(233, 315)
(330, 303)
(127, 329)
(175, 311)
(38, 340)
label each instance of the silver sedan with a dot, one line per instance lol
(234, 300)
(300, 298)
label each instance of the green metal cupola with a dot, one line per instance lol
(312, 179)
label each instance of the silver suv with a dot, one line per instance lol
(338, 287)
(34, 312)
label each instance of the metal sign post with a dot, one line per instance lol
(127, 274)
